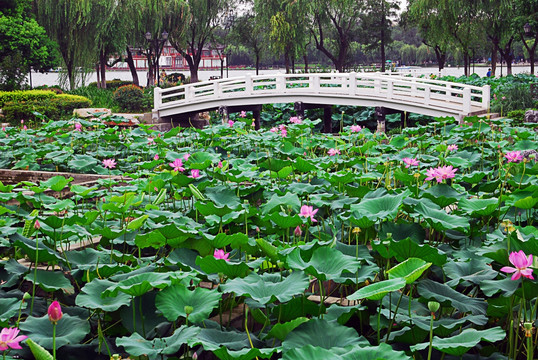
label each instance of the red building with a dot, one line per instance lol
(171, 59)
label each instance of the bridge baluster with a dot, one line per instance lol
(352, 83)
(248, 84)
(280, 82)
(486, 97)
(467, 100)
(157, 98)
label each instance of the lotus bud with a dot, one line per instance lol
(37, 225)
(528, 328)
(26, 296)
(433, 306)
(298, 231)
(188, 309)
(55, 312)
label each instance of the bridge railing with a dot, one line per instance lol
(455, 97)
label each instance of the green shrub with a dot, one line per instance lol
(517, 115)
(511, 97)
(29, 95)
(54, 108)
(111, 84)
(129, 98)
(55, 88)
(102, 98)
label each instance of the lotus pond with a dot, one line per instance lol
(231, 243)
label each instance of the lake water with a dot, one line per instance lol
(51, 78)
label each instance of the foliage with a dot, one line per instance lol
(28, 95)
(61, 105)
(129, 98)
(111, 84)
(23, 45)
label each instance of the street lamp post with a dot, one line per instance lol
(156, 46)
(229, 19)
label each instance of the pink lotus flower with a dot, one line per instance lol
(452, 147)
(274, 129)
(283, 132)
(186, 156)
(230, 123)
(109, 163)
(308, 211)
(521, 263)
(220, 254)
(25, 127)
(513, 156)
(22, 121)
(55, 312)
(441, 173)
(410, 162)
(295, 120)
(9, 339)
(333, 152)
(298, 231)
(356, 128)
(177, 165)
(151, 141)
(219, 165)
(156, 157)
(195, 174)
(3, 128)
(243, 114)
(78, 127)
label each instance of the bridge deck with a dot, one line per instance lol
(415, 95)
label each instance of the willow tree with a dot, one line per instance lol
(201, 19)
(335, 26)
(69, 23)
(286, 24)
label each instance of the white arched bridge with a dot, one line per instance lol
(381, 90)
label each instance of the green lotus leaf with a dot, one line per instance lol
(325, 263)
(274, 164)
(211, 337)
(381, 208)
(322, 333)
(440, 220)
(491, 287)
(442, 194)
(223, 196)
(401, 231)
(83, 163)
(28, 246)
(210, 208)
(222, 240)
(408, 248)
(283, 221)
(224, 353)
(463, 342)
(267, 287)
(410, 270)
(173, 300)
(378, 290)
(291, 200)
(445, 294)
(526, 203)
(211, 265)
(56, 183)
(139, 284)
(69, 330)
(472, 271)
(51, 281)
(136, 345)
(9, 307)
(303, 165)
(90, 296)
(281, 330)
(311, 352)
(382, 351)
(478, 207)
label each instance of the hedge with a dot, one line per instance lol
(112, 84)
(59, 106)
(29, 95)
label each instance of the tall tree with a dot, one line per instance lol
(69, 23)
(202, 18)
(335, 25)
(526, 12)
(18, 54)
(377, 25)
(429, 22)
(286, 21)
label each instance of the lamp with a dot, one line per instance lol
(527, 28)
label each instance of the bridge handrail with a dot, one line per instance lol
(457, 96)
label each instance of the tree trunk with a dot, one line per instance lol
(222, 67)
(383, 36)
(441, 57)
(132, 67)
(102, 65)
(305, 57)
(257, 63)
(287, 62)
(465, 64)
(151, 79)
(70, 75)
(293, 65)
(98, 73)
(193, 68)
(493, 61)
(530, 50)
